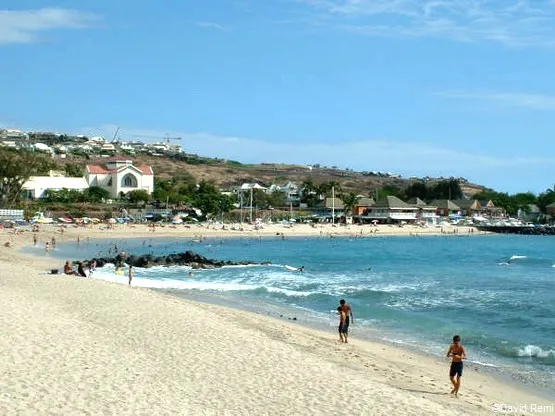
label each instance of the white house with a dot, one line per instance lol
(36, 186)
(120, 175)
(291, 190)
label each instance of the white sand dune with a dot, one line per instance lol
(74, 346)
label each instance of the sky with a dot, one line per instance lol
(413, 87)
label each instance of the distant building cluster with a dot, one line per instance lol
(62, 144)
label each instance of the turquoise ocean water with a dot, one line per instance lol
(496, 291)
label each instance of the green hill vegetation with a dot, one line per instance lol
(184, 180)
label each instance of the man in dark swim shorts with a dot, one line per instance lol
(458, 354)
(346, 308)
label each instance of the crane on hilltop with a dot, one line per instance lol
(167, 137)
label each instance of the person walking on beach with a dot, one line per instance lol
(342, 328)
(346, 308)
(457, 354)
(130, 274)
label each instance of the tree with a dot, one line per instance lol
(447, 189)
(96, 194)
(74, 170)
(391, 190)
(226, 203)
(64, 195)
(307, 191)
(349, 202)
(276, 199)
(523, 199)
(546, 198)
(16, 166)
(207, 199)
(417, 190)
(138, 195)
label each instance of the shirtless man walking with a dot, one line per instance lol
(346, 308)
(458, 354)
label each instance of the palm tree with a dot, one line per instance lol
(349, 202)
(307, 189)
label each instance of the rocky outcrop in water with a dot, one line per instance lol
(188, 258)
(526, 230)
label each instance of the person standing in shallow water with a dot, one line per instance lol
(458, 354)
(130, 274)
(349, 318)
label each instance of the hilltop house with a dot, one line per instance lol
(119, 176)
(290, 190)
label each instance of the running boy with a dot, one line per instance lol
(458, 354)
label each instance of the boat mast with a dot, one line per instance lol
(333, 205)
(251, 201)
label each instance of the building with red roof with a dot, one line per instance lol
(120, 176)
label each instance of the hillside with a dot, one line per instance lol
(228, 174)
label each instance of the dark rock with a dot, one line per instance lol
(188, 258)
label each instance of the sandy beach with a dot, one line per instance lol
(80, 346)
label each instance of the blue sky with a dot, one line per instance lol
(416, 87)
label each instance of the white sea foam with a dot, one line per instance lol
(242, 266)
(483, 364)
(535, 351)
(188, 283)
(515, 257)
(289, 292)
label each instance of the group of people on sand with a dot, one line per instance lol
(69, 269)
(456, 351)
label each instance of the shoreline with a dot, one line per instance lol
(237, 230)
(283, 313)
(382, 377)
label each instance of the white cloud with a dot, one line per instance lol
(212, 25)
(23, 26)
(510, 22)
(506, 99)
(403, 157)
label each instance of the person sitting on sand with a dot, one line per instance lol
(458, 354)
(342, 328)
(68, 269)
